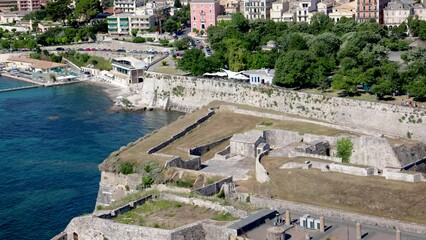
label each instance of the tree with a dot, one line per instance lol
(58, 10)
(87, 9)
(415, 54)
(134, 32)
(347, 81)
(297, 68)
(373, 55)
(417, 88)
(196, 63)
(170, 26)
(238, 20)
(325, 45)
(344, 149)
(344, 25)
(181, 44)
(293, 41)
(321, 23)
(177, 4)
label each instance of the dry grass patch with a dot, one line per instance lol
(220, 125)
(226, 123)
(167, 214)
(368, 195)
(137, 154)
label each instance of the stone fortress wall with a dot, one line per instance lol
(180, 92)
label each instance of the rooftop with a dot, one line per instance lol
(346, 6)
(132, 61)
(264, 72)
(37, 63)
(252, 218)
(247, 137)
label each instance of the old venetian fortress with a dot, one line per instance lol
(250, 146)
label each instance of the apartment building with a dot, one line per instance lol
(396, 12)
(278, 9)
(370, 9)
(347, 10)
(128, 5)
(6, 5)
(257, 9)
(302, 11)
(204, 13)
(419, 11)
(124, 23)
(29, 5)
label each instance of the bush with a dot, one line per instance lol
(344, 149)
(149, 39)
(147, 181)
(126, 168)
(139, 40)
(266, 123)
(164, 63)
(35, 55)
(224, 217)
(184, 183)
(164, 42)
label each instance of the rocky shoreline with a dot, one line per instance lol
(119, 95)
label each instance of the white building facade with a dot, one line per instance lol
(257, 9)
(278, 9)
(396, 13)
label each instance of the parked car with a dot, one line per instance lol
(87, 49)
(93, 49)
(201, 46)
(60, 49)
(80, 49)
(121, 50)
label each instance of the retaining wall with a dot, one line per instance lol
(123, 209)
(180, 134)
(261, 173)
(223, 154)
(370, 117)
(310, 155)
(88, 227)
(352, 170)
(213, 188)
(112, 186)
(402, 176)
(201, 149)
(204, 203)
(279, 138)
(338, 214)
(193, 164)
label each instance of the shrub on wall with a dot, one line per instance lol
(126, 168)
(344, 149)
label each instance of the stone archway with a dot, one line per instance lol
(75, 236)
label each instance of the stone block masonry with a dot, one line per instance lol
(260, 171)
(213, 188)
(200, 150)
(192, 93)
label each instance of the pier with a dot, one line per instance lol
(19, 88)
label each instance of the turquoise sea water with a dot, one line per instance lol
(49, 167)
